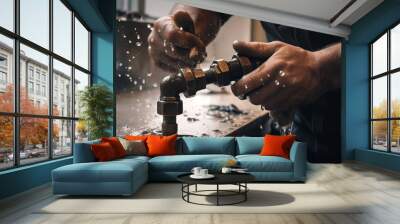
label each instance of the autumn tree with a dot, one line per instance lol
(33, 131)
(380, 127)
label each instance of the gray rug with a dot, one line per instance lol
(166, 198)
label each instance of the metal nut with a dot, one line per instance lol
(222, 77)
(246, 64)
(201, 81)
(190, 82)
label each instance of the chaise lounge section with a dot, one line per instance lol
(125, 176)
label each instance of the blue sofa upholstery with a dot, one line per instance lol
(125, 176)
(167, 168)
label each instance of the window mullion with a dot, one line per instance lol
(73, 82)
(389, 106)
(50, 81)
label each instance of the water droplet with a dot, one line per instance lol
(120, 64)
(134, 28)
(124, 36)
(155, 85)
(261, 127)
(283, 85)
(180, 28)
(276, 82)
(165, 50)
(135, 82)
(133, 57)
(149, 47)
(152, 40)
(129, 68)
(119, 75)
(159, 30)
(246, 87)
(172, 48)
(129, 60)
(269, 75)
(143, 81)
(127, 52)
(148, 26)
(130, 41)
(138, 37)
(282, 73)
(165, 43)
(138, 44)
(149, 74)
(140, 87)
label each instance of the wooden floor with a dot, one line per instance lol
(379, 189)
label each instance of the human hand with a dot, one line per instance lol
(290, 76)
(173, 43)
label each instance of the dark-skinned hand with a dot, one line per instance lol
(289, 76)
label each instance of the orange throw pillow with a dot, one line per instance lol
(136, 137)
(103, 152)
(275, 145)
(116, 145)
(161, 145)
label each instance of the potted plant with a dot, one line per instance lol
(96, 103)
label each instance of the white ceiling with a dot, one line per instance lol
(315, 15)
(321, 9)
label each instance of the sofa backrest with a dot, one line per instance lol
(206, 145)
(83, 152)
(249, 145)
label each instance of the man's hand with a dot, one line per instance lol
(180, 39)
(290, 76)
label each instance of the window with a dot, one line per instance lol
(62, 74)
(35, 21)
(6, 73)
(38, 89)
(3, 78)
(41, 124)
(44, 91)
(7, 14)
(30, 72)
(81, 45)
(385, 91)
(30, 87)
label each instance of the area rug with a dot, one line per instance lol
(166, 198)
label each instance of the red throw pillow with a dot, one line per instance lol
(275, 145)
(136, 137)
(103, 152)
(161, 145)
(116, 145)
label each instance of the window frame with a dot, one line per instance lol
(388, 74)
(16, 114)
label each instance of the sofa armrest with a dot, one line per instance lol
(298, 155)
(83, 152)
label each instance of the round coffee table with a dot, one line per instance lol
(238, 179)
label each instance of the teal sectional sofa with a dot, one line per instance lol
(125, 176)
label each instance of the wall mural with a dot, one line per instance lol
(273, 79)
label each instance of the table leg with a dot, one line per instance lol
(245, 193)
(217, 194)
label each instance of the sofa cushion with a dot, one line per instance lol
(208, 145)
(103, 152)
(112, 171)
(249, 145)
(257, 163)
(161, 145)
(185, 163)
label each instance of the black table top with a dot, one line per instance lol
(220, 178)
